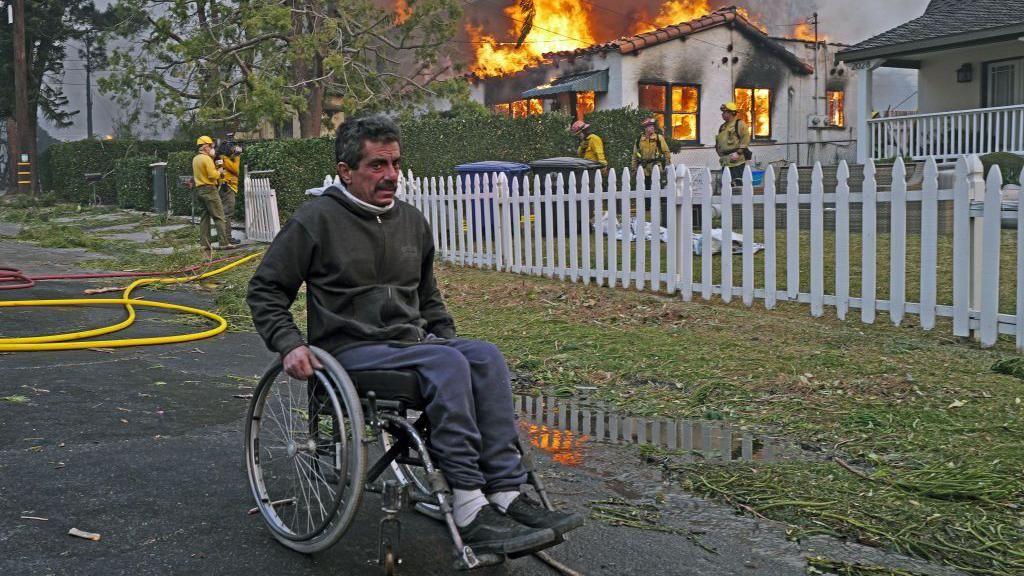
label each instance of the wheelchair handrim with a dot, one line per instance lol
(259, 488)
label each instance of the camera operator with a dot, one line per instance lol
(228, 159)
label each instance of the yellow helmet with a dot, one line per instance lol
(729, 107)
(203, 140)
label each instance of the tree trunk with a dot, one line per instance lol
(12, 162)
(311, 121)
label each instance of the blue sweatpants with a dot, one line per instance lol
(469, 404)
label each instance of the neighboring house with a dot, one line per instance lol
(970, 60)
(683, 73)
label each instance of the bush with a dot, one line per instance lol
(134, 182)
(434, 144)
(63, 165)
(179, 164)
(298, 165)
(1010, 165)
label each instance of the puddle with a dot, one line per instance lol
(563, 428)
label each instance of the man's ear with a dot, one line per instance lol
(344, 173)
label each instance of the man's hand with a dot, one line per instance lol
(300, 363)
(735, 156)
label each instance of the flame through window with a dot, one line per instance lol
(836, 108)
(755, 108)
(682, 108)
(520, 108)
(584, 104)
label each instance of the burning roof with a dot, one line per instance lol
(494, 59)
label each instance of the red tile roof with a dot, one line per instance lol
(728, 16)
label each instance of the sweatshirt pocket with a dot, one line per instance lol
(368, 307)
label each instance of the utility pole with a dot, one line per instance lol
(817, 99)
(20, 148)
(88, 82)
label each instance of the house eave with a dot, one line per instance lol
(966, 39)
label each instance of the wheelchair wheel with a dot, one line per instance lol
(305, 454)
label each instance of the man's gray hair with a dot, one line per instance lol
(354, 133)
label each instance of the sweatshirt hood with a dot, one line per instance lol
(339, 193)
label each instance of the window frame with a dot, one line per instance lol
(667, 112)
(509, 113)
(771, 109)
(842, 108)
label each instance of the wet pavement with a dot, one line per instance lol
(144, 447)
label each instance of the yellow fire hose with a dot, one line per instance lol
(75, 340)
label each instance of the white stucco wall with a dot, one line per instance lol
(938, 90)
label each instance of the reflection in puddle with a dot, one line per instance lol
(564, 446)
(562, 428)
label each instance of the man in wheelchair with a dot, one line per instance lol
(367, 261)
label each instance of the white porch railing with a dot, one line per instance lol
(946, 135)
(554, 228)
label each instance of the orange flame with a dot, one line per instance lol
(557, 25)
(674, 12)
(805, 31)
(402, 11)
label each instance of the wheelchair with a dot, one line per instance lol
(306, 450)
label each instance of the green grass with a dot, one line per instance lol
(925, 413)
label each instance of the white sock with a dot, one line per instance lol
(466, 504)
(503, 499)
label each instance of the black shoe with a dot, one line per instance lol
(491, 532)
(529, 512)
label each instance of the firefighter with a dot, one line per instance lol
(650, 149)
(733, 142)
(207, 177)
(229, 158)
(591, 147)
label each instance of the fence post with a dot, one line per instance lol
(976, 193)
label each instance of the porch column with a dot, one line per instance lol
(865, 98)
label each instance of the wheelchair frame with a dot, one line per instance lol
(341, 464)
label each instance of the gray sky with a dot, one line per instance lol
(841, 20)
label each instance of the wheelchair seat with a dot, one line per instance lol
(401, 386)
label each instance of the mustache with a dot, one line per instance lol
(388, 186)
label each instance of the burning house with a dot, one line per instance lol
(789, 90)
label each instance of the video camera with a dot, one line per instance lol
(227, 147)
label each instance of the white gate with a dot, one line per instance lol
(262, 222)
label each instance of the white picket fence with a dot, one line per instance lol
(489, 222)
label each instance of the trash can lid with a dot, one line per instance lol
(565, 163)
(488, 166)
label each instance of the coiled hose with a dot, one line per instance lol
(76, 340)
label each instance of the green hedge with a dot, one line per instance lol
(134, 182)
(434, 144)
(298, 165)
(179, 164)
(63, 166)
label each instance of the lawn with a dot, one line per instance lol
(922, 434)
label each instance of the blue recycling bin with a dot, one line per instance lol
(467, 174)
